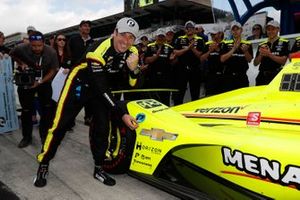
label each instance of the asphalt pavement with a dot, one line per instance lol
(70, 172)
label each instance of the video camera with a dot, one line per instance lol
(27, 77)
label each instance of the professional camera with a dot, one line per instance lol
(25, 78)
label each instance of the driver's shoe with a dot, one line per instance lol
(41, 176)
(103, 177)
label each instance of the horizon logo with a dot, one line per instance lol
(138, 146)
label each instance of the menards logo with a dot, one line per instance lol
(230, 109)
(262, 167)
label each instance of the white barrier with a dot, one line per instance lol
(8, 113)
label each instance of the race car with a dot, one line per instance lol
(241, 144)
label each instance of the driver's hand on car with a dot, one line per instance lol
(130, 121)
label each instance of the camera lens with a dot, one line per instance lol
(25, 79)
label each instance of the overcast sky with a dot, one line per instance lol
(51, 15)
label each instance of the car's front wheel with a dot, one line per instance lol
(119, 153)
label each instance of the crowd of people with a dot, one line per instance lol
(95, 68)
(220, 63)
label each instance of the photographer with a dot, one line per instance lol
(37, 64)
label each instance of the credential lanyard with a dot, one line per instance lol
(40, 77)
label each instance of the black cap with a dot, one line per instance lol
(85, 22)
(36, 36)
(144, 37)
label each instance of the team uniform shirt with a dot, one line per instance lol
(296, 46)
(237, 63)
(162, 64)
(279, 48)
(107, 69)
(189, 58)
(214, 62)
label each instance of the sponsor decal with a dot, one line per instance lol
(296, 64)
(130, 23)
(149, 103)
(276, 53)
(2, 121)
(279, 47)
(135, 161)
(254, 118)
(142, 156)
(214, 53)
(140, 117)
(159, 134)
(238, 54)
(150, 149)
(262, 167)
(229, 109)
(159, 110)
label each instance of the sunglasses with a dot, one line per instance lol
(61, 39)
(256, 28)
(36, 37)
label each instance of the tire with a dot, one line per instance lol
(120, 150)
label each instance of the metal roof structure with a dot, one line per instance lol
(154, 16)
(163, 13)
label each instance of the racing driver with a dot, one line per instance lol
(88, 83)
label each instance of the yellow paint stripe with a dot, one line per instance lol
(60, 105)
(116, 151)
(132, 81)
(109, 141)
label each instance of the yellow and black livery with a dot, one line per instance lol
(241, 144)
(91, 83)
